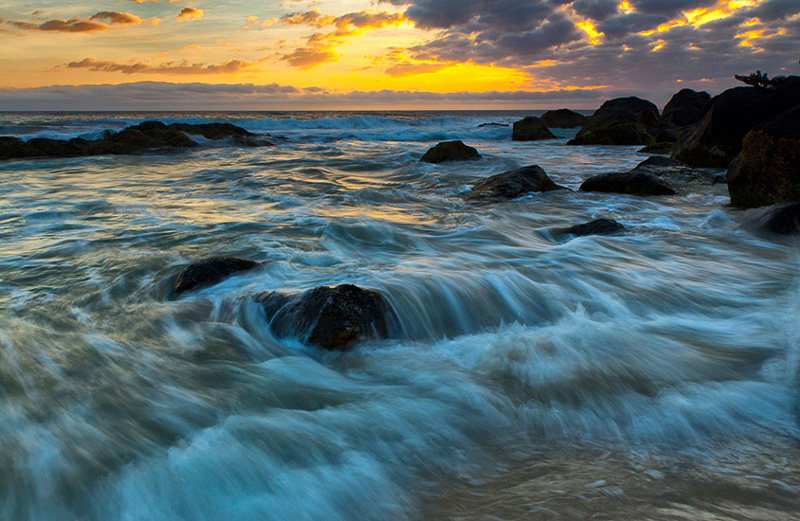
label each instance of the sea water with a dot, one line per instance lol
(528, 374)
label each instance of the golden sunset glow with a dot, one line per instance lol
(588, 27)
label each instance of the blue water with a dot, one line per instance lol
(524, 369)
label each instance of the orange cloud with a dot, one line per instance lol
(115, 17)
(98, 22)
(230, 67)
(189, 13)
(310, 56)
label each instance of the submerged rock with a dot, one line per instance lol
(330, 317)
(621, 121)
(531, 129)
(512, 184)
(493, 124)
(210, 271)
(632, 183)
(563, 118)
(596, 227)
(780, 219)
(717, 139)
(450, 151)
(768, 169)
(685, 108)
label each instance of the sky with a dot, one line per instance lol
(382, 54)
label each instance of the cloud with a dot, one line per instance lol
(98, 22)
(189, 13)
(230, 67)
(309, 57)
(410, 69)
(115, 17)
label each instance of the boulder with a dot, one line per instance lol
(329, 317)
(687, 107)
(596, 227)
(450, 151)
(563, 118)
(631, 183)
(530, 129)
(676, 174)
(513, 184)
(768, 169)
(658, 148)
(621, 121)
(210, 271)
(717, 139)
(780, 219)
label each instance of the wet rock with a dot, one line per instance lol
(596, 227)
(768, 169)
(493, 124)
(780, 219)
(210, 271)
(632, 183)
(717, 139)
(658, 148)
(563, 118)
(450, 151)
(677, 175)
(513, 184)
(530, 129)
(687, 107)
(329, 317)
(621, 121)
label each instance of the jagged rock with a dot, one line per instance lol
(513, 184)
(210, 271)
(530, 128)
(330, 317)
(493, 124)
(768, 169)
(563, 118)
(450, 151)
(632, 183)
(781, 219)
(596, 227)
(687, 107)
(621, 121)
(717, 139)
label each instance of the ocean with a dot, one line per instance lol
(651, 375)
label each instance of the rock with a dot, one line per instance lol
(687, 107)
(213, 131)
(210, 271)
(596, 227)
(330, 317)
(493, 124)
(512, 184)
(717, 139)
(530, 129)
(621, 121)
(780, 219)
(632, 183)
(676, 174)
(768, 169)
(563, 118)
(450, 151)
(658, 148)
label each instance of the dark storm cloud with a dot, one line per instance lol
(777, 9)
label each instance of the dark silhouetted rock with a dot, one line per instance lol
(781, 219)
(450, 151)
(768, 169)
(329, 317)
(658, 148)
(493, 124)
(677, 175)
(632, 183)
(530, 129)
(717, 139)
(621, 121)
(210, 271)
(512, 184)
(596, 227)
(563, 118)
(687, 107)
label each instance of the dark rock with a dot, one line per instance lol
(658, 148)
(781, 219)
(687, 107)
(512, 184)
(632, 183)
(768, 169)
(676, 174)
(330, 317)
(596, 227)
(563, 118)
(493, 125)
(213, 131)
(450, 151)
(210, 271)
(621, 121)
(530, 129)
(717, 139)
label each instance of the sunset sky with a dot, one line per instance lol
(344, 54)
